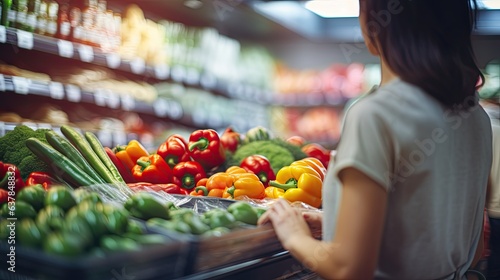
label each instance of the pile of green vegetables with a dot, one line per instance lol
(76, 159)
(215, 222)
(67, 222)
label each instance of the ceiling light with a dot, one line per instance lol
(333, 8)
(490, 4)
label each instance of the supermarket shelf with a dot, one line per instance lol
(85, 53)
(162, 107)
(168, 108)
(162, 72)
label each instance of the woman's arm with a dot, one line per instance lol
(353, 254)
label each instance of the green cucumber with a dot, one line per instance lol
(96, 145)
(69, 171)
(62, 145)
(84, 147)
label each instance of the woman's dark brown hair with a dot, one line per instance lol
(428, 43)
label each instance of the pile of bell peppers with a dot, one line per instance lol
(234, 183)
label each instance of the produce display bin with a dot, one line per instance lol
(167, 261)
(240, 245)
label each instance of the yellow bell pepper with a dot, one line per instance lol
(314, 163)
(274, 192)
(301, 183)
(130, 153)
(246, 185)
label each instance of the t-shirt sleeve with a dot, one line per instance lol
(366, 144)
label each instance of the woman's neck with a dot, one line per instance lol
(387, 74)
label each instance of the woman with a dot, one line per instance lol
(413, 160)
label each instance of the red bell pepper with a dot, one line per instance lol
(4, 196)
(124, 171)
(168, 188)
(230, 139)
(174, 150)
(41, 178)
(10, 177)
(260, 166)
(187, 174)
(205, 147)
(152, 169)
(317, 151)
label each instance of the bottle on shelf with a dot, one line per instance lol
(33, 11)
(9, 12)
(63, 22)
(75, 19)
(42, 17)
(22, 14)
(89, 11)
(52, 10)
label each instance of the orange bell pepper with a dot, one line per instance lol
(245, 184)
(130, 153)
(301, 183)
(217, 183)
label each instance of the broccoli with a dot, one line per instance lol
(296, 151)
(277, 155)
(14, 151)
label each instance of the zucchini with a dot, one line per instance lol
(96, 145)
(65, 168)
(63, 146)
(83, 146)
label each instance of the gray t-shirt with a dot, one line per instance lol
(434, 163)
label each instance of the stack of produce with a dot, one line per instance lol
(71, 223)
(214, 222)
(254, 165)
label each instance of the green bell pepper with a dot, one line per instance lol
(50, 218)
(216, 232)
(243, 212)
(20, 209)
(29, 234)
(115, 243)
(145, 206)
(172, 225)
(80, 227)
(64, 244)
(117, 218)
(60, 196)
(33, 195)
(81, 195)
(219, 218)
(135, 227)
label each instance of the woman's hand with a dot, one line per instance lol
(314, 220)
(289, 224)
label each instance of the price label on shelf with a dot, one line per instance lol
(192, 77)
(160, 107)
(113, 60)
(21, 85)
(65, 48)
(178, 73)
(2, 83)
(175, 111)
(100, 97)
(162, 71)
(56, 90)
(3, 34)
(24, 39)
(73, 93)
(86, 53)
(113, 100)
(208, 81)
(128, 103)
(138, 66)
